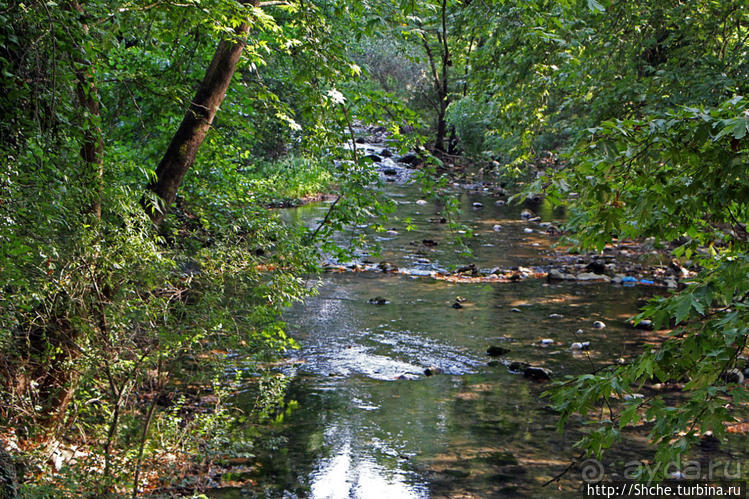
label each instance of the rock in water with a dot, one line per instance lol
(526, 214)
(733, 376)
(409, 159)
(378, 300)
(646, 325)
(537, 373)
(596, 267)
(599, 324)
(457, 305)
(496, 351)
(579, 346)
(518, 366)
(387, 267)
(431, 371)
(556, 274)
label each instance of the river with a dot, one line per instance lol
(371, 424)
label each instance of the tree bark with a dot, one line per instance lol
(180, 155)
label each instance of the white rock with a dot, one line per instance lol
(599, 324)
(422, 202)
(497, 228)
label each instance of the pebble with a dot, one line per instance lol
(515, 310)
(547, 341)
(579, 331)
(556, 316)
(497, 228)
(579, 346)
(478, 205)
(500, 203)
(599, 324)
(527, 230)
(422, 202)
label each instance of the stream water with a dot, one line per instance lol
(371, 424)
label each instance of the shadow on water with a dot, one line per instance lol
(371, 423)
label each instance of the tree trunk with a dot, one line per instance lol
(92, 150)
(180, 155)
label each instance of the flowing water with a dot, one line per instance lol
(371, 424)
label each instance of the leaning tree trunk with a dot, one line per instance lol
(180, 155)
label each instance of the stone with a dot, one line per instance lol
(526, 214)
(528, 230)
(589, 276)
(422, 202)
(579, 331)
(496, 351)
(546, 341)
(387, 267)
(497, 228)
(733, 376)
(375, 158)
(599, 325)
(390, 171)
(556, 274)
(596, 267)
(409, 159)
(378, 300)
(431, 371)
(457, 305)
(556, 316)
(537, 373)
(478, 205)
(429, 242)
(517, 366)
(500, 202)
(386, 153)
(579, 346)
(646, 325)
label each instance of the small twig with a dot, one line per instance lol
(565, 470)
